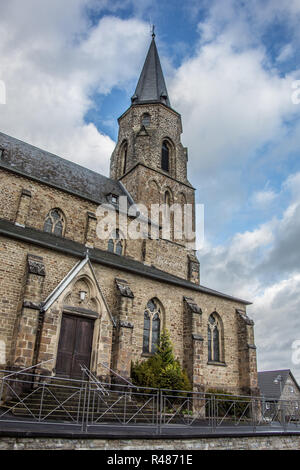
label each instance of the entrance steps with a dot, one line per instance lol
(74, 401)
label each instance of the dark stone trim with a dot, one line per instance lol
(35, 265)
(147, 354)
(124, 288)
(53, 430)
(188, 185)
(69, 247)
(32, 305)
(81, 311)
(146, 103)
(244, 317)
(126, 324)
(192, 305)
(26, 192)
(91, 215)
(214, 363)
(197, 337)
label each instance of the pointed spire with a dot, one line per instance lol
(151, 86)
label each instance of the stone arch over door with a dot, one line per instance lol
(77, 328)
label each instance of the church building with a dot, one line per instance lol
(70, 297)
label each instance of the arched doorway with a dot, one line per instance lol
(75, 345)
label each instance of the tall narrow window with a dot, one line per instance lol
(152, 322)
(111, 245)
(54, 222)
(116, 243)
(146, 337)
(155, 332)
(165, 156)
(214, 338)
(168, 217)
(209, 343)
(167, 198)
(125, 150)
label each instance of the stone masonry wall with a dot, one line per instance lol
(144, 145)
(13, 256)
(211, 443)
(81, 221)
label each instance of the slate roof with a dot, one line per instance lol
(151, 86)
(48, 168)
(67, 246)
(268, 387)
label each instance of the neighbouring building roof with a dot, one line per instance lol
(151, 86)
(48, 168)
(268, 387)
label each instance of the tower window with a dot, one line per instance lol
(54, 222)
(146, 119)
(165, 156)
(125, 150)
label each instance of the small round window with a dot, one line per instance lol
(146, 119)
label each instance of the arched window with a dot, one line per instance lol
(146, 119)
(152, 321)
(124, 157)
(116, 243)
(55, 222)
(165, 156)
(167, 198)
(167, 221)
(214, 338)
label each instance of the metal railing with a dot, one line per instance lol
(92, 405)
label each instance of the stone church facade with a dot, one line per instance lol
(69, 297)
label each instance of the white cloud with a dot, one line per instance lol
(51, 62)
(263, 266)
(276, 315)
(231, 104)
(239, 122)
(262, 199)
(286, 53)
(292, 184)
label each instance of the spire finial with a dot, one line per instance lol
(153, 33)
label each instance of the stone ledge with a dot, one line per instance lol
(32, 305)
(126, 324)
(213, 363)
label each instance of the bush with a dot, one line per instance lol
(161, 370)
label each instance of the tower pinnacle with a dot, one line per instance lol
(151, 87)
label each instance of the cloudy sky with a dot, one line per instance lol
(231, 67)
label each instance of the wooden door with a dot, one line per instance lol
(75, 345)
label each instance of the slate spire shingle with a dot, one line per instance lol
(151, 86)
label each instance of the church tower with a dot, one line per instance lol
(149, 158)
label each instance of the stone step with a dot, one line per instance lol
(67, 403)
